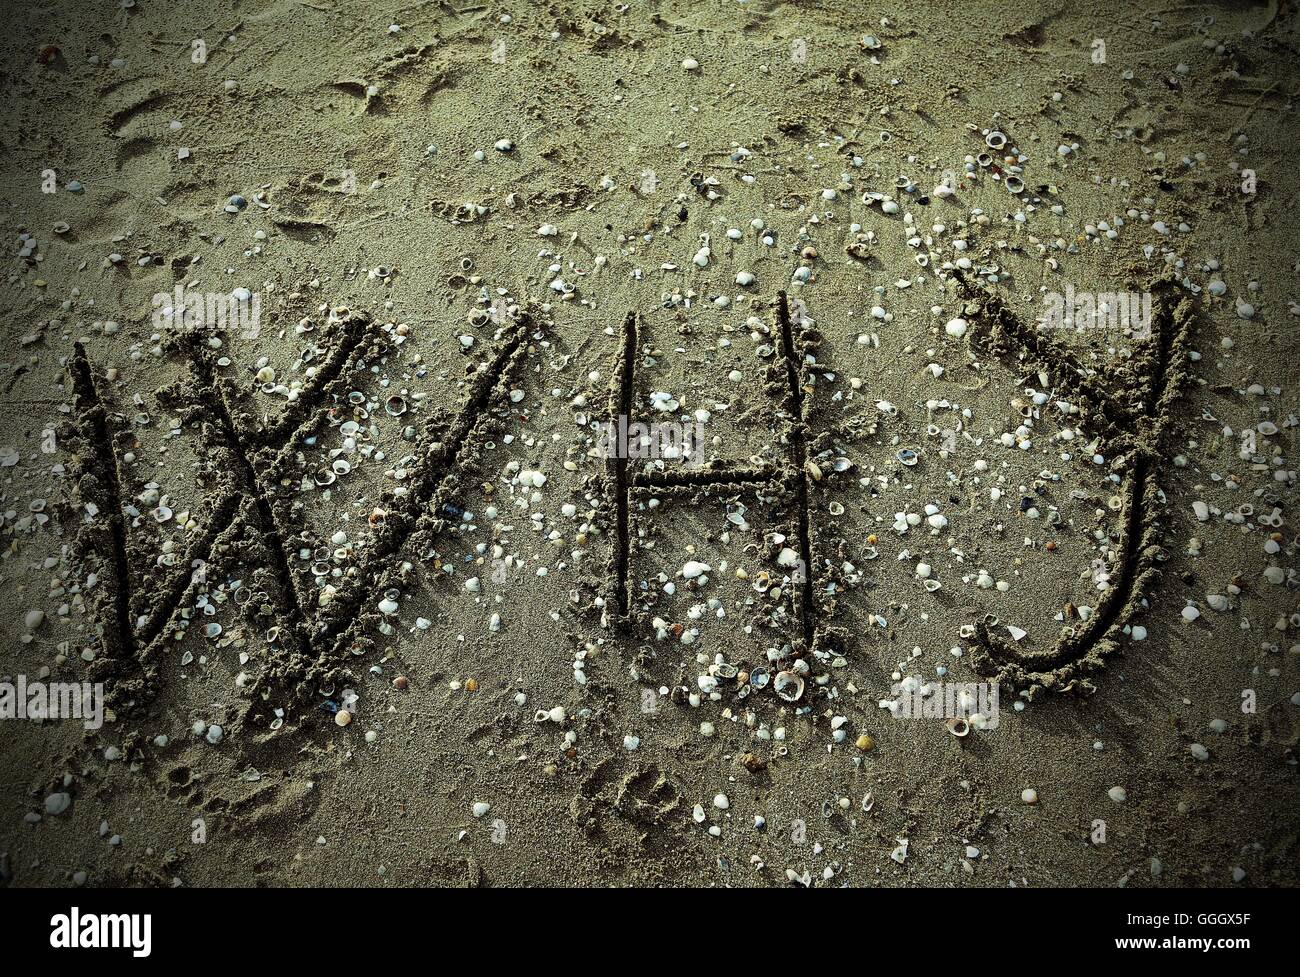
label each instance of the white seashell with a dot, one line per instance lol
(788, 686)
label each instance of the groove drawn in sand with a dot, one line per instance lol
(105, 487)
(788, 481)
(1130, 406)
(313, 636)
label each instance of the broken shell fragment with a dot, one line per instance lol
(789, 686)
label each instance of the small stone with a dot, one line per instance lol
(1029, 795)
(480, 809)
(1117, 794)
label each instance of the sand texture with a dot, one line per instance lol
(317, 318)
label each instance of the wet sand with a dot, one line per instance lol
(381, 607)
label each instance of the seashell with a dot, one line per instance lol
(813, 469)
(725, 670)
(931, 585)
(395, 405)
(841, 464)
(869, 42)
(341, 466)
(273, 634)
(835, 509)
(907, 456)
(759, 676)
(762, 581)
(212, 630)
(377, 518)
(995, 139)
(242, 595)
(958, 726)
(1015, 184)
(788, 686)
(325, 477)
(356, 398)
(984, 160)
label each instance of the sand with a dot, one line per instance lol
(372, 536)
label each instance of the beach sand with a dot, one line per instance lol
(464, 240)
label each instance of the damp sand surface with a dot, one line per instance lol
(916, 590)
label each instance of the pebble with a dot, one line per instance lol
(1029, 795)
(956, 328)
(1199, 751)
(721, 802)
(56, 804)
(1117, 794)
(690, 64)
(480, 809)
